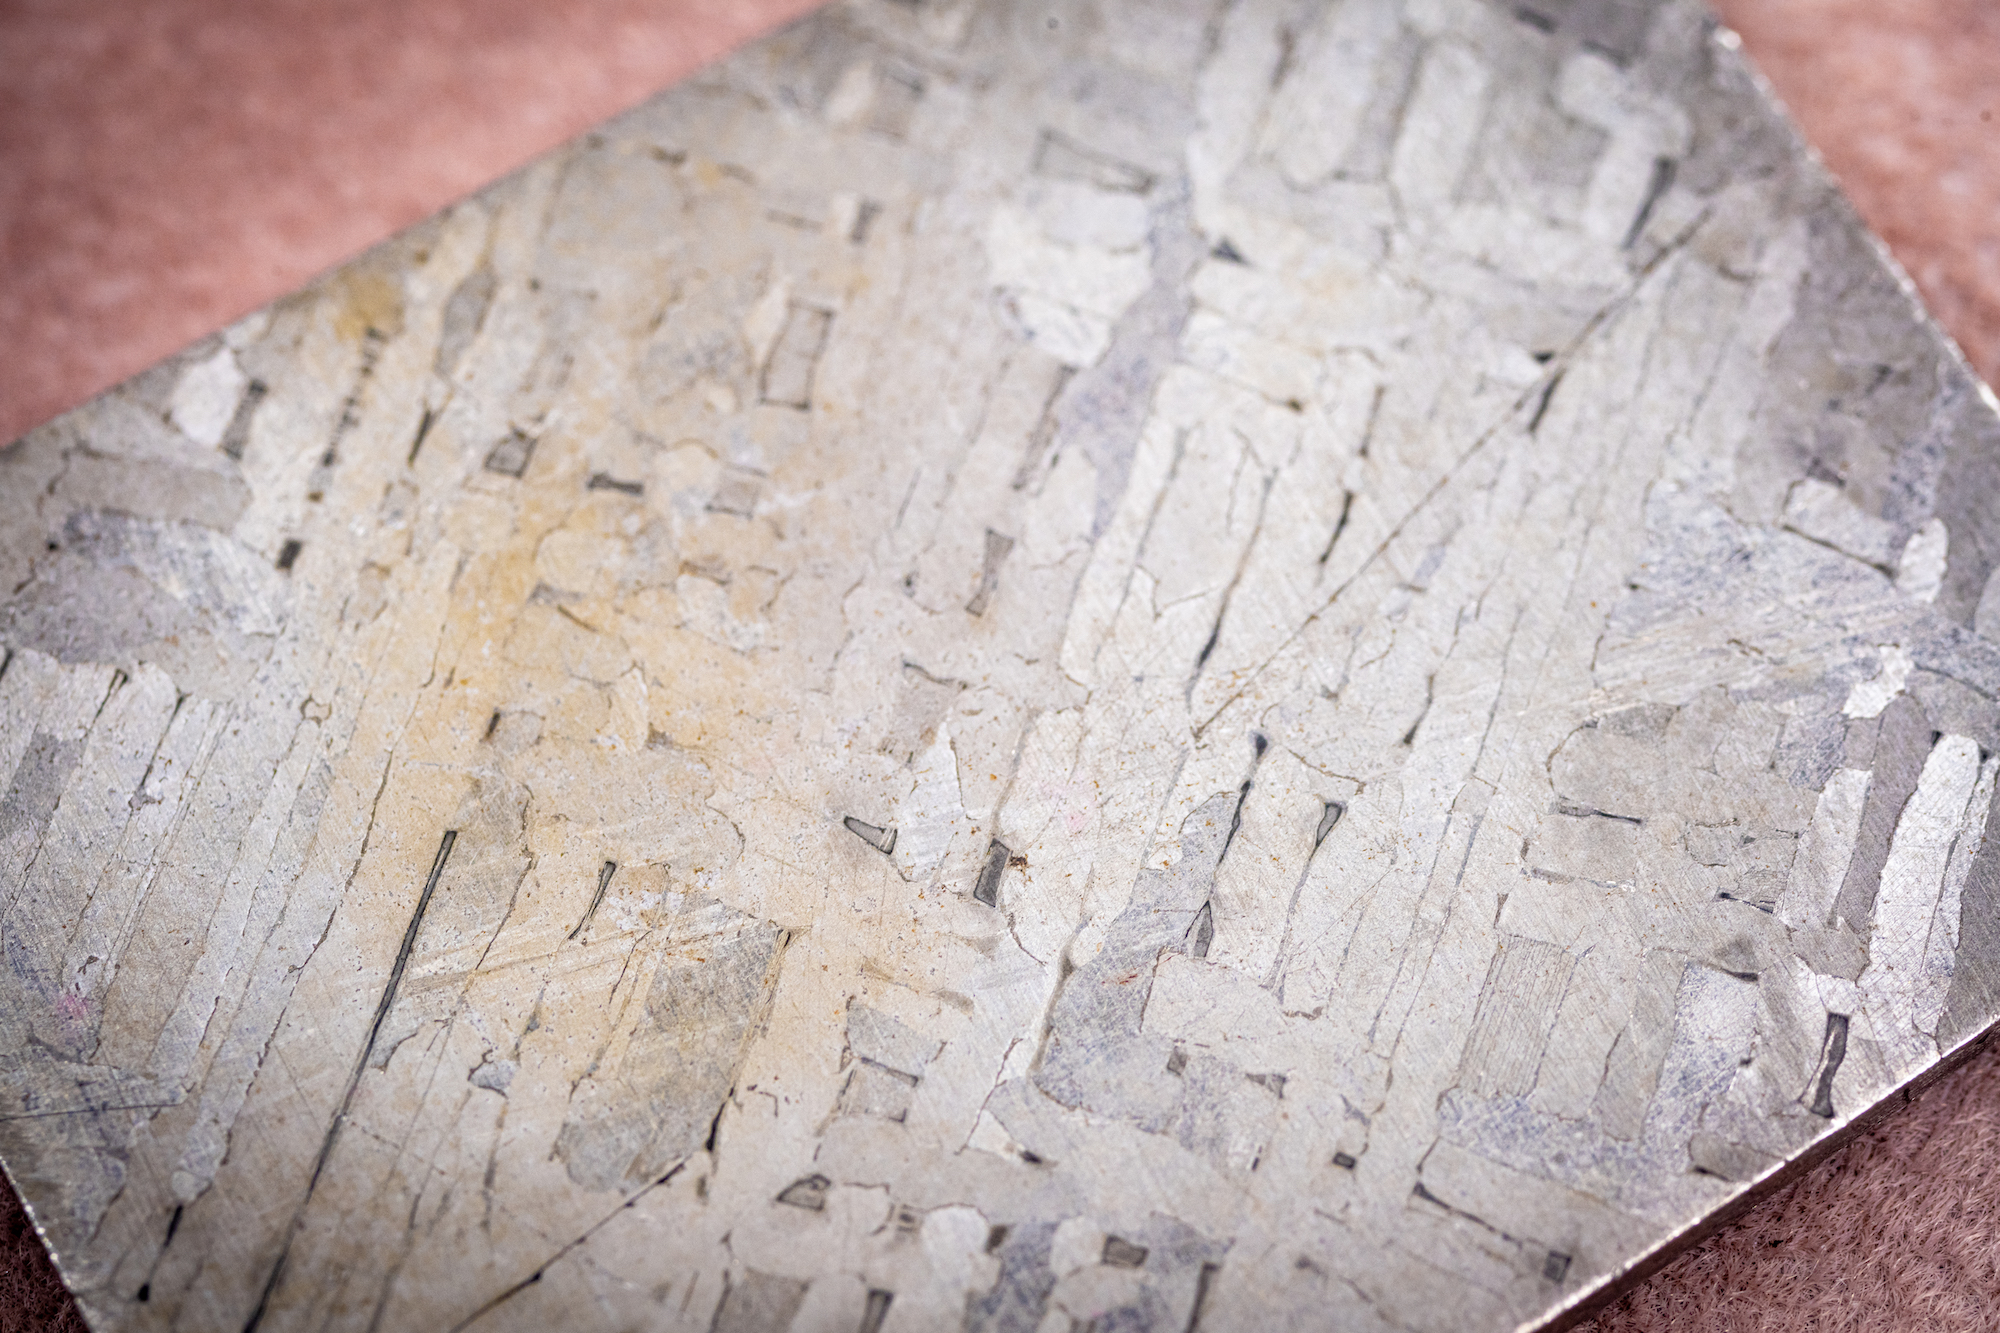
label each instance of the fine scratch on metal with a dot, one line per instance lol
(382, 1009)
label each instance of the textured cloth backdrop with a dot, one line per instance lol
(167, 167)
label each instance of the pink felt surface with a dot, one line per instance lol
(1900, 1229)
(166, 165)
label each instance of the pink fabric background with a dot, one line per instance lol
(168, 165)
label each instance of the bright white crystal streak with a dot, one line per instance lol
(1824, 852)
(1913, 879)
(1941, 949)
(205, 398)
(1867, 698)
(1920, 573)
(1068, 295)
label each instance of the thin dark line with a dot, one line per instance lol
(403, 954)
(1340, 526)
(85, 1110)
(382, 1009)
(1542, 408)
(553, 1259)
(423, 429)
(603, 883)
(1201, 1290)
(1656, 188)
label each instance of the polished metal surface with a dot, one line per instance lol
(1092, 665)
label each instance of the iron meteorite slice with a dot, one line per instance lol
(1245, 667)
